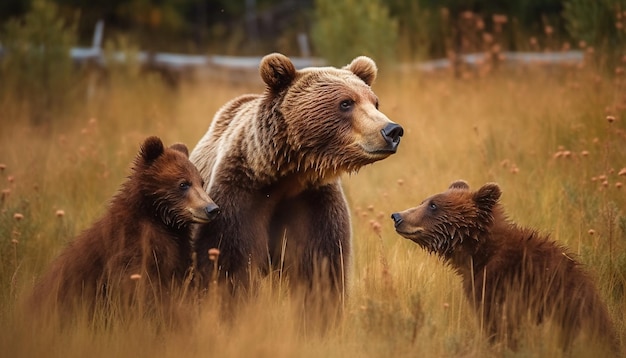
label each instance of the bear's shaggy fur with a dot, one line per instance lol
(511, 274)
(273, 162)
(146, 234)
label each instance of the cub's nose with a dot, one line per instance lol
(392, 133)
(397, 219)
(212, 210)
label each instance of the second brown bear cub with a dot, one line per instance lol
(140, 250)
(509, 273)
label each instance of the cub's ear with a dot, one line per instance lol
(365, 68)
(459, 184)
(151, 149)
(180, 147)
(277, 71)
(487, 196)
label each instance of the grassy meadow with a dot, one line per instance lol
(553, 138)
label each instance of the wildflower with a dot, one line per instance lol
(610, 119)
(584, 153)
(214, 254)
(370, 207)
(622, 172)
(467, 15)
(618, 185)
(376, 226)
(401, 181)
(11, 178)
(14, 241)
(60, 213)
(18, 216)
(591, 232)
(500, 19)
(2, 167)
(135, 277)
(446, 305)
(548, 30)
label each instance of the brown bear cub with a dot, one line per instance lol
(512, 275)
(139, 252)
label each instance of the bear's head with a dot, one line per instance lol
(329, 116)
(170, 186)
(444, 221)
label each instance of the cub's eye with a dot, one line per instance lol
(432, 206)
(346, 105)
(184, 185)
(376, 104)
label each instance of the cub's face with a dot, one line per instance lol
(332, 115)
(172, 185)
(445, 220)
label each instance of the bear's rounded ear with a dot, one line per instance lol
(487, 196)
(459, 184)
(365, 68)
(277, 71)
(151, 149)
(180, 147)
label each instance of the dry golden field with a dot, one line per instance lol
(554, 139)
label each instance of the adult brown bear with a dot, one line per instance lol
(510, 274)
(139, 252)
(273, 163)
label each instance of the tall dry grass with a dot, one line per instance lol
(542, 134)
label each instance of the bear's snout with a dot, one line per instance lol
(212, 210)
(392, 133)
(397, 219)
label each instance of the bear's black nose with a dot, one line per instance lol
(212, 210)
(392, 133)
(397, 219)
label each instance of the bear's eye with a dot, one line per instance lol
(376, 104)
(184, 185)
(346, 105)
(432, 206)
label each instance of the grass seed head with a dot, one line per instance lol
(214, 254)
(135, 277)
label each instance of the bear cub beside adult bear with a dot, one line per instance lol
(509, 273)
(145, 233)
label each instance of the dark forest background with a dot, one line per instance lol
(337, 29)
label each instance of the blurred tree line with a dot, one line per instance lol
(338, 29)
(36, 35)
